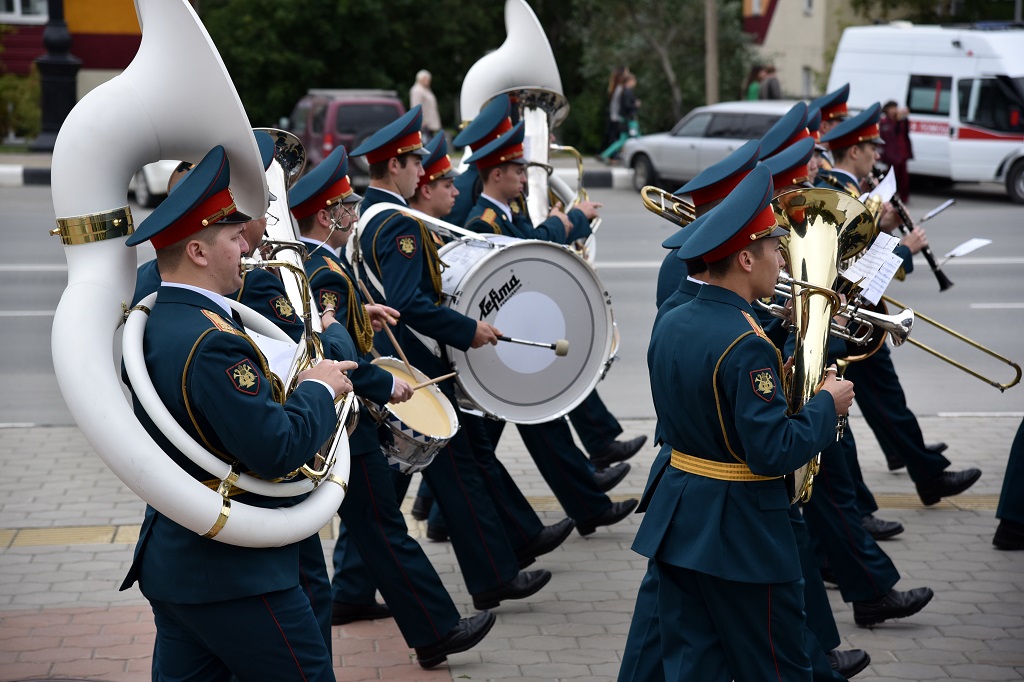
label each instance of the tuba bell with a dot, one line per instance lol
(823, 227)
(139, 117)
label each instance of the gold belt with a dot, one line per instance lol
(717, 470)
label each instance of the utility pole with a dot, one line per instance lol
(710, 52)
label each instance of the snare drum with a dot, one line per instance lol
(532, 290)
(420, 426)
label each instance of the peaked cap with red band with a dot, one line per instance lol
(743, 217)
(399, 137)
(716, 181)
(789, 167)
(506, 149)
(786, 131)
(814, 122)
(491, 123)
(437, 166)
(861, 128)
(833, 104)
(201, 199)
(323, 187)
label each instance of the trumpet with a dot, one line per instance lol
(871, 325)
(668, 205)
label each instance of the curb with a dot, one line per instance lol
(18, 176)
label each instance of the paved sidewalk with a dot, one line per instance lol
(67, 528)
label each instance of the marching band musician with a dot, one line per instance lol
(435, 194)
(833, 110)
(375, 531)
(579, 489)
(730, 592)
(222, 609)
(882, 401)
(593, 421)
(263, 292)
(399, 256)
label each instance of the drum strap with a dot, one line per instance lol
(721, 471)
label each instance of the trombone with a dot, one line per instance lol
(969, 342)
(668, 205)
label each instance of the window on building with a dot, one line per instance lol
(807, 82)
(808, 7)
(929, 95)
(23, 11)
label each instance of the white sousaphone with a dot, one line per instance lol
(524, 67)
(175, 100)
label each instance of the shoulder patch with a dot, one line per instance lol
(220, 323)
(490, 216)
(755, 326)
(764, 384)
(283, 308)
(328, 299)
(244, 377)
(406, 245)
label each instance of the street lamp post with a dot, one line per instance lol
(58, 70)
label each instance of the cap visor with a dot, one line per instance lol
(236, 217)
(422, 151)
(779, 231)
(352, 199)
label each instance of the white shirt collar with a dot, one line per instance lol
(847, 174)
(221, 301)
(506, 209)
(398, 196)
(695, 281)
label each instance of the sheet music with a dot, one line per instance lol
(968, 246)
(876, 268)
(279, 354)
(884, 190)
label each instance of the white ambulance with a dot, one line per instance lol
(964, 88)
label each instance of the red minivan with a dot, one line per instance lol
(325, 119)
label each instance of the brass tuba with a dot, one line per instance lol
(133, 119)
(825, 226)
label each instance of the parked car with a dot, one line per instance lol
(326, 119)
(149, 184)
(703, 137)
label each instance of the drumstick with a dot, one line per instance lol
(387, 330)
(435, 380)
(561, 346)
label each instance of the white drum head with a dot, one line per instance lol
(536, 291)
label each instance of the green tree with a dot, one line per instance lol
(663, 43)
(930, 12)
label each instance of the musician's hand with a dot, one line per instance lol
(915, 240)
(890, 219)
(327, 317)
(841, 390)
(332, 373)
(485, 333)
(401, 391)
(557, 212)
(589, 208)
(381, 315)
(787, 312)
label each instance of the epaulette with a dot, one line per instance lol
(490, 216)
(333, 265)
(220, 323)
(755, 326)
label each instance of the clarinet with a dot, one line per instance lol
(906, 226)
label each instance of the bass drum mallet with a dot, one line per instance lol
(561, 346)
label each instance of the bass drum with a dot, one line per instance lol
(536, 291)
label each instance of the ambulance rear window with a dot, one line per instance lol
(929, 95)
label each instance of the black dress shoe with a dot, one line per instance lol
(612, 515)
(848, 662)
(893, 605)
(895, 462)
(618, 451)
(342, 613)
(525, 584)
(947, 484)
(548, 539)
(609, 478)
(937, 448)
(466, 634)
(421, 507)
(1009, 535)
(881, 529)
(437, 533)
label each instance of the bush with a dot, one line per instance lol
(20, 110)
